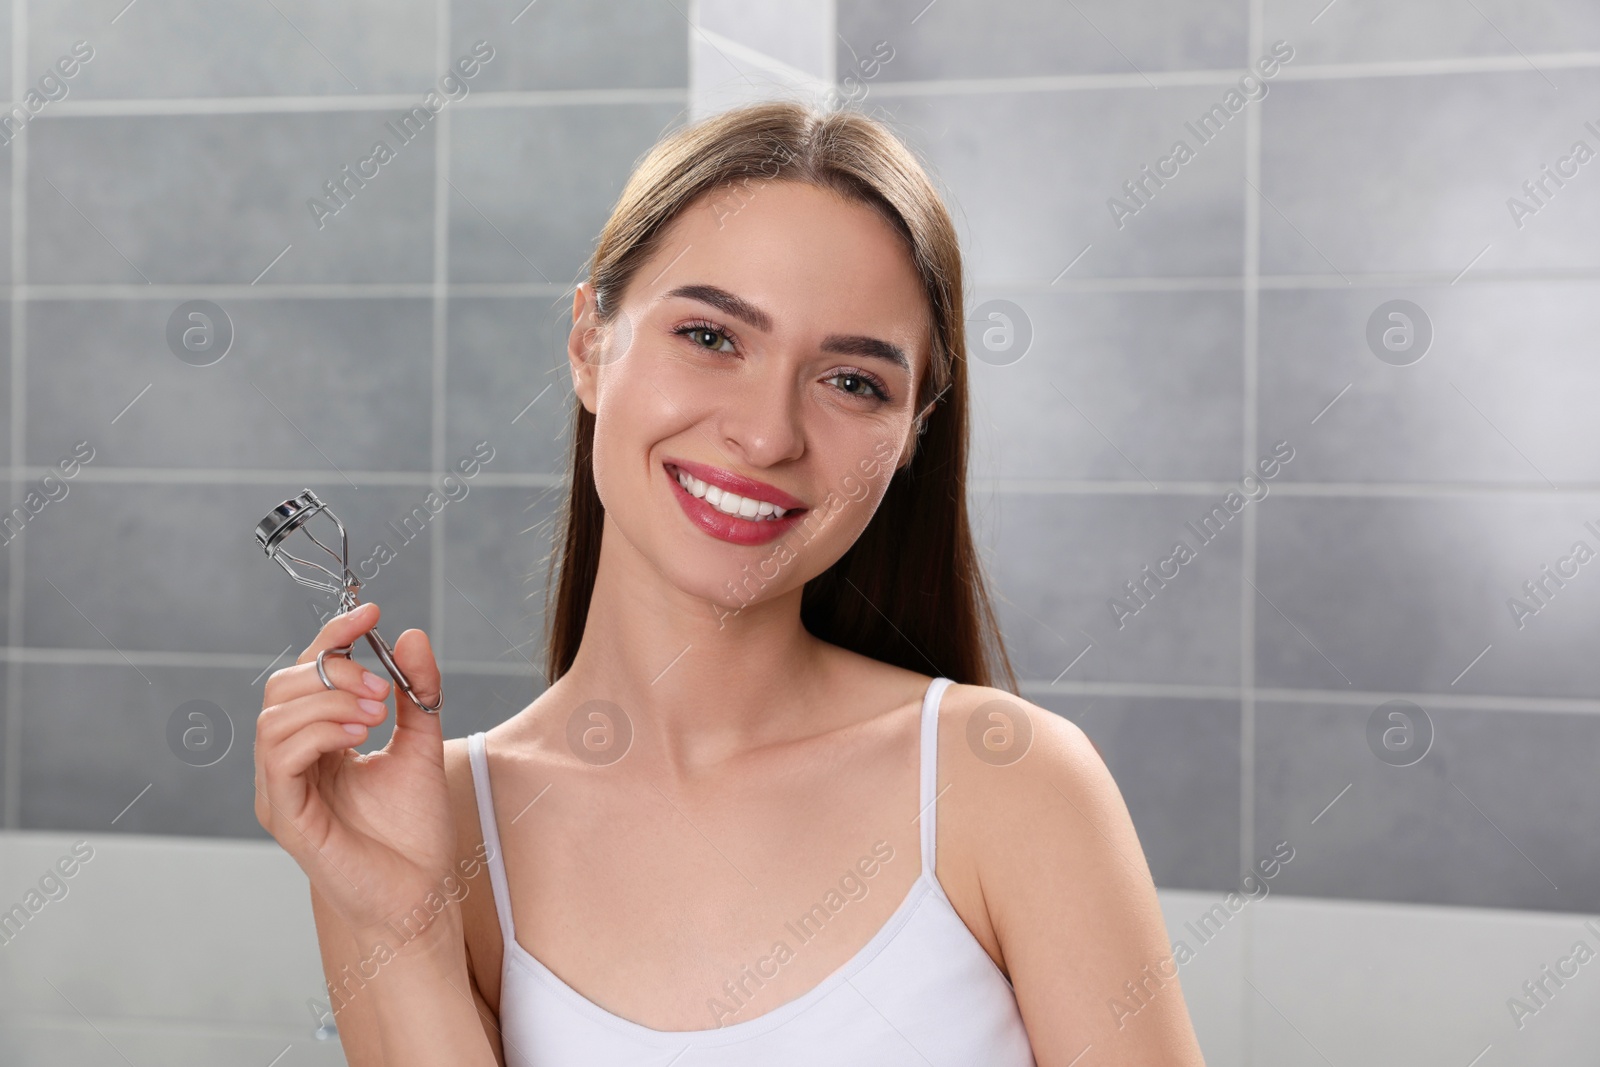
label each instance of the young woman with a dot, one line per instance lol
(771, 809)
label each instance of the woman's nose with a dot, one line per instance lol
(764, 417)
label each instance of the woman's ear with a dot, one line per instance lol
(582, 344)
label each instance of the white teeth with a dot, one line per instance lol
(729, 503)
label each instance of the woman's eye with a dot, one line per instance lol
(706, 337)
(868, 387)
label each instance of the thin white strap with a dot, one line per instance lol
(927, 804)
(491, 834)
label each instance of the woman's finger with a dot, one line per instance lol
(342, 630)
(277, 722)
(302, 679)
(294, 755)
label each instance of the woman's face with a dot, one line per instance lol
(767, 355)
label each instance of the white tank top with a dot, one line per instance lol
(922, 991)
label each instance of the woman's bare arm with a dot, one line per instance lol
(1070, 898)
(363, 1031)
(376, 834)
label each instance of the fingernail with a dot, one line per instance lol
(373, 683)
(355, 728)
(371, 707)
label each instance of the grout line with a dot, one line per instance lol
(291, 291)
(11, 769)
(1247, 571)
(1303, 490)
(299, 105)
(1199, 77)
(1035, 690)
(503, 98)
(267, 476)
(1025, 286)
(1179, 691)
(441, 317)
(978, 486)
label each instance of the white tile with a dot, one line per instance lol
(725, 75)
(1402, 985)
(196, 931)
(112, 1043)
(1211, 977)
(794, 32)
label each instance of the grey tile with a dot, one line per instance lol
(532, 187)
(495, 565)
(1176, 763)
(331, 385)
(1129, 386)
(1489, 402)
(1057, 562)
(1019, 38)
(509, 383)
(1032, 222)
(473, 700)
(483, 701)
(1415, 174)
(1431, 29)
(566, 44)
(1403, 595)
(122, 566)
(286, 48)
(1496, 814)
(94, 737)
(7, 20)
(217, 198)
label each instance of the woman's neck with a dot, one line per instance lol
(699, 682)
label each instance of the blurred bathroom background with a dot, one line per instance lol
(1341, 345)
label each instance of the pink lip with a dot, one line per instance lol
(733, 528)
(737, 484)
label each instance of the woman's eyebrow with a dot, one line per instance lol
(746, 312)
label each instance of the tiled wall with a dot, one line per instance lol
(1169, 346)
(1176, 339)
(372, 349)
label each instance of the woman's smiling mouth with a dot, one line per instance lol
(731, 507)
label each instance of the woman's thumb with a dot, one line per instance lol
(414, 656)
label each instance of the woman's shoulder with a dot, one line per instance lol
(997, 730)
(1016, 769)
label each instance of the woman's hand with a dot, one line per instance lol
(373, 832)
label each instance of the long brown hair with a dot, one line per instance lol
(910, 591)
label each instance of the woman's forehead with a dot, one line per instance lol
(804, 256)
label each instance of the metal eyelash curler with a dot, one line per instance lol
(294, 514)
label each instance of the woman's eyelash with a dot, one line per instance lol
(879, 388)
(701, 326)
